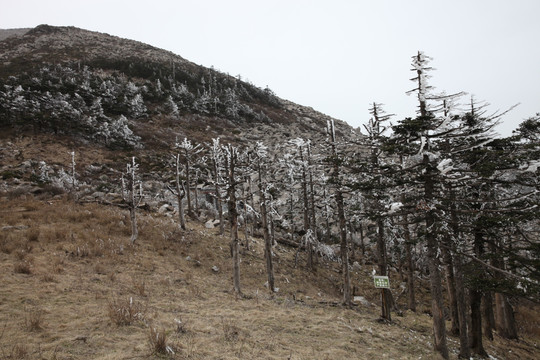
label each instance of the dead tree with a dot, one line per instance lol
(179, 192)
(188, 151)
(217, 160)
(232, 156)
(260, 154)
(132, 195)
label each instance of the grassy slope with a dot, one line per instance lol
(65, 267)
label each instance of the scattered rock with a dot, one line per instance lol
(98, 195)
(362, 300)
(15, 227)
(165, 208)
(215, 269)
(209, 224)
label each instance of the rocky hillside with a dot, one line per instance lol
(123, 93)
(65, 89)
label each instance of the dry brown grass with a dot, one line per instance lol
(23, 267)
(158, 343)
(84, 273)
(123, 312)
(33, 319)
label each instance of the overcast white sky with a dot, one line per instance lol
(336, 56)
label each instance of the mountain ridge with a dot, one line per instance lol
(47, 44)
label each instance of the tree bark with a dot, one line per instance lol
(218, 198)
(464, 350)
(477, 346)
(505, 323)
(233, 213)
(180, 193)
(461, 300)
(386, 295)
(341, 220)
(188, 185)
(305, 211)
(411, 300)
(475, 296)
(451, 288)
(133, 218)
(344, 250)
(487, 310)
(266, 235)
(504, 314)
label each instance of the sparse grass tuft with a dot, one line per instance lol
(231, 332)
(125, 312)
(139, 286)
(32, 234)
(23, 267)
(33, 319)
(47, 277)
(157, 340)
(18, 352)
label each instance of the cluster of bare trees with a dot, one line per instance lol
(439, 196)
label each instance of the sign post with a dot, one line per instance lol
(383, 283)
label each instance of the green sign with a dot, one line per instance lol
(381, 282)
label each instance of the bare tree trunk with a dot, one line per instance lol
(188, 186)
(475, 296)
(504, 321)
(313, 221)
(131, 198)
(464, 350)
(244, 200)
(341, 219)
(180, 193)
(476, 322)
(233, 214)
(344, 250)
(305, 210)
(489, 318)
(266, 235)
(411, 300)
(218, 199)
(196, 190)
(362, 245)
(451, 288)
(504, 318)
(386, 296)
(134, 230)
(181, 212)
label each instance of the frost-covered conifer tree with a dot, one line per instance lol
(422, 132)
(375, 180)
